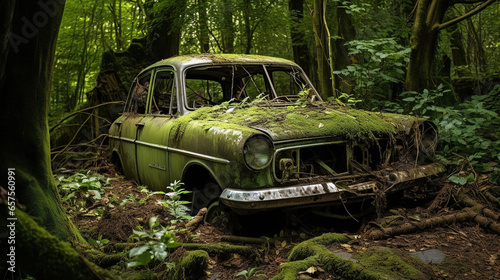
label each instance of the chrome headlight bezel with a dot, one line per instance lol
(258, 152)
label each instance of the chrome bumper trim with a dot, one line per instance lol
(321, 192)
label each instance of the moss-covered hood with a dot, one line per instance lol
(321, 119)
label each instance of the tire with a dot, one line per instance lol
(205, 196)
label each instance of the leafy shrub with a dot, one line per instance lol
(383, 63)
(80, 185)
(469, 129)
(157, 242)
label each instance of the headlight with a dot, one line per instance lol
(258, 152)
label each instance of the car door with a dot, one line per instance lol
(153, 131)
(130, 121)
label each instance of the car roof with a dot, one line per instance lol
(184, 61)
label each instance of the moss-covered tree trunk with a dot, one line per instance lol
(324, 51)
(28, 35)
(428, 22)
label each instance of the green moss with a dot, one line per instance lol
(192, 265)
(372, 264)
(314, 253)
(325, 119)
(44, 256)
(389, 262)
(105, 260)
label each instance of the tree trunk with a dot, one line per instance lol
(428, 22)
(227, 29)
(299, 44)
(203, 26)
(248, 25)
(423, 43)
(165, 33)
(323, 49)
(25, 81)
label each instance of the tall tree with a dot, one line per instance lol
(324, 47)
(429, 20)
(25, 80)
(165, 21)
(301, 54)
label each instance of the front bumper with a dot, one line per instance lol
(324, 192)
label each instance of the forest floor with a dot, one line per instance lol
(470, 251)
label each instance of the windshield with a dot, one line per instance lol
(215, 84)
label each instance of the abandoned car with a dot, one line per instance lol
(251, 133)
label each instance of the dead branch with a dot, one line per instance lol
(82, 111)
(491, 198)
(244, 239)
(479, 208)
(197, 220)
(462, 216)
(219, 248)
(487, 223)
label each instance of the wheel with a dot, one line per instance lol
(203, 197)
(213, 212)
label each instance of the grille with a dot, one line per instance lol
(308, 161)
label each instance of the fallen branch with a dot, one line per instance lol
(491, 198)
(487, 223)
(479, 208)
(244, 239)
(193, 224)
(462, 216)
(219, 248)
(212, 248)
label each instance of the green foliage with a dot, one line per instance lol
(175, 205)
(78, 185)
(157, 242)
(346, 99)
(99, 242)
(469, 129)
(251, 272)
(384, 64)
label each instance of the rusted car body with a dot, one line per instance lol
(252, 133)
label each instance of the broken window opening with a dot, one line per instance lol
(214, 84)
(137, 100)
(164, 94)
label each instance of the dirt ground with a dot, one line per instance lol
(470, 251)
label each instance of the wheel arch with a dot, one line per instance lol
(198, 174)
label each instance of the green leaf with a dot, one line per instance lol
(145, 257)
(138, 251)
(242, 273)
(458, 180)
(93, 243)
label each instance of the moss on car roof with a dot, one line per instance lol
(192, 59)
(294, 122)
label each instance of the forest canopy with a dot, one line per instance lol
(368, 47)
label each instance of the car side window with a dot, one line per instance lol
(138, 96)
(164, 94)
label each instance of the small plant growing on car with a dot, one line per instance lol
(157, 240)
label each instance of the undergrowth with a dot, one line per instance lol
(469, 130)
